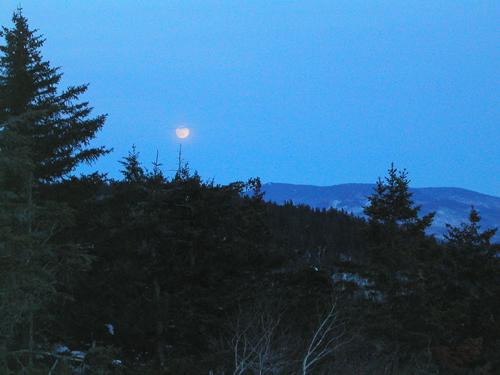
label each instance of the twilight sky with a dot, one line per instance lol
(314, 92)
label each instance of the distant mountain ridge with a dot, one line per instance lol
(452, 205)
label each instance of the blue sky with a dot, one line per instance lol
(316, 92)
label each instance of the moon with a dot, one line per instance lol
(182, 133)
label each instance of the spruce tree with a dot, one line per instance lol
(392, 208)
(395, 230)
(469, 234)
(60, 126)
(26, 259)
(133, 171)
(469, 304)
(44, 135)
(392, 271)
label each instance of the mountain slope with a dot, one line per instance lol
(452, 205)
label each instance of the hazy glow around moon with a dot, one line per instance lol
(182, 133)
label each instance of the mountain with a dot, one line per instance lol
(452, 205)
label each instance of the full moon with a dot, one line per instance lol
(182, 133)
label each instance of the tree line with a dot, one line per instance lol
(156, 274)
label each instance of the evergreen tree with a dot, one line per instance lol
(395, 231)
(391, 206)
(472, 283)
(59, 129)
(44, 135)
(27, 264)
(133, 171)
(392, 271)
(469, 234)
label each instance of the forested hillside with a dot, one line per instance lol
(159, 274)
(450, 205)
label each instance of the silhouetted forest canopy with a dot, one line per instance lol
(159, 274)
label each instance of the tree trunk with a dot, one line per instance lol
(31, 341)
(160, 327)
(3, 356)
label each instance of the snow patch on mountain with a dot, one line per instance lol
(451, 205)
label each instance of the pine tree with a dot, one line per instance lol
(392, 269)
(44, 135)
(60, 127)
(26, 261)
(469, 303)
(469, 234)
(391, 206)
(133, 171)
(395, 231)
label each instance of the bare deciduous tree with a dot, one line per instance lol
(260, 344)
(257, 343)
(326, 339)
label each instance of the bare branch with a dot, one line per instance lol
(326, 339)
